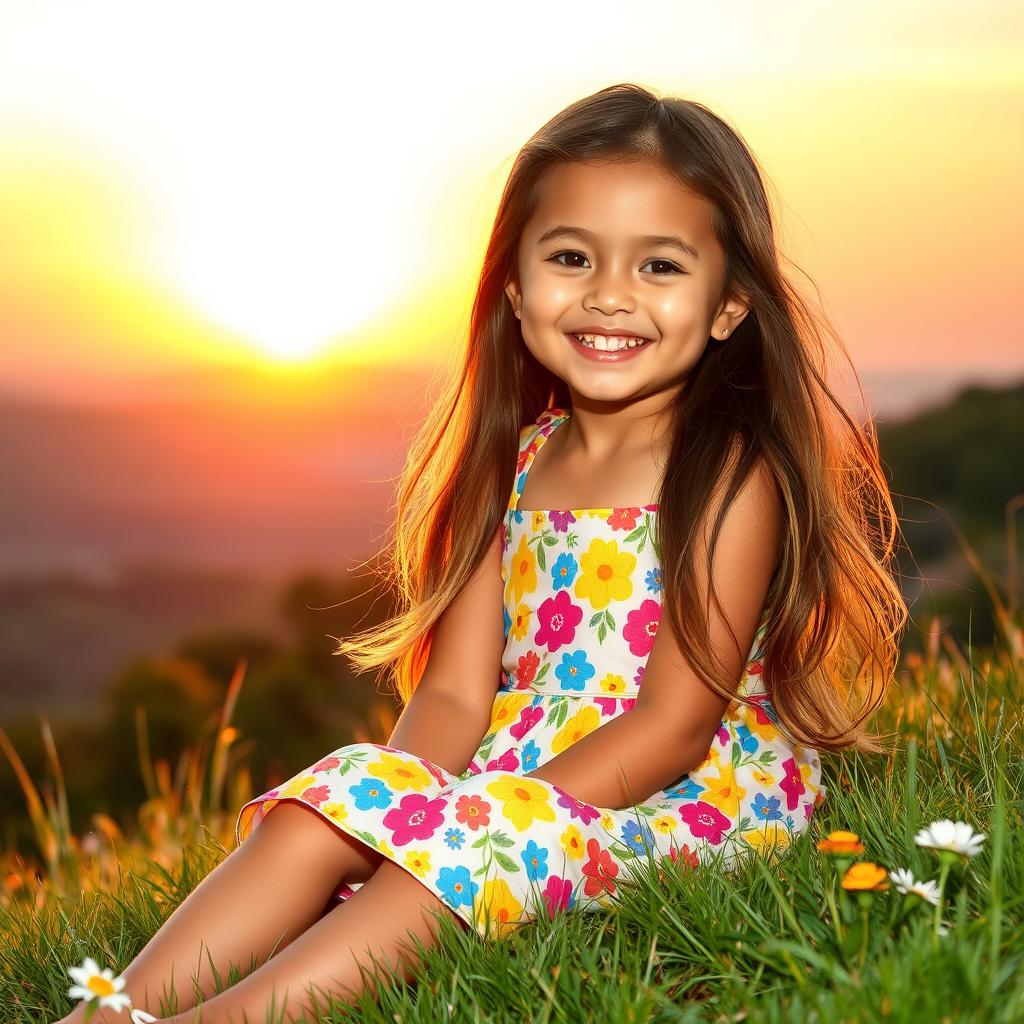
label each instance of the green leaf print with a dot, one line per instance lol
(596, 618)
(541, 561)
(549, 538)
(767, 757)
(602, 631)
(480, 842)
(571, 540)
(367, 837)
(487, 841)
(350, 761)
(736, 754)
(558, 711)
(506, 861)
(500, 839)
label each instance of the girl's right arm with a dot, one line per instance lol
(450, 709)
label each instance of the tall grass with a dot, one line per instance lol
(777, 939)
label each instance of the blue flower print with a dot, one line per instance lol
(766, 808)
(638, 837)
(535, 858)
(507, 619)
(454, 838)
(653, 580)
(574, 671)
(528, 756)
(688, 790)
(563, 572)
(748, 741)
(457, 888)
(371, 793)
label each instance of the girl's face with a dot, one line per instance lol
(584, 261)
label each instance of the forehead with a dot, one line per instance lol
(621, 199)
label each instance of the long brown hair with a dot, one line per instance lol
(834, 611)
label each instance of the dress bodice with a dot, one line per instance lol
(582, 596)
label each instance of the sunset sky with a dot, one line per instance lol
(283, 185)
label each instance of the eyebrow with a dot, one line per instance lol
(671, 240)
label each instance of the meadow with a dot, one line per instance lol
(831, 929)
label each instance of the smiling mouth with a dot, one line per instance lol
(610, 343)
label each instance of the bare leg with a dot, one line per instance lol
(257, 900)
(378, 918)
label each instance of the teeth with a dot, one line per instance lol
(609, 343)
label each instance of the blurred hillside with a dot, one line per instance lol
(222, 525)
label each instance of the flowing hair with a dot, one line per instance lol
(834, 610)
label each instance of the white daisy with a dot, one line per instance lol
(956, 836)
(141, 1017)
(905, 882)
(92, 984)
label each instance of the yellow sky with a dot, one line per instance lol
(191, 183)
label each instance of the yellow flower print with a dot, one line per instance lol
(505, 709)
(337, 811)
(605, 573)
(768, 838)
(526, 801)
(297, 786)
(500, 907)
(538, 520)
(587, 719)
(763, 778)
(400, 772)
(572, 842)
(522, 577)
(709, 762)
(613, 683)
(418, 861)
(384, 848)
(607, 821)
(724, 792)
(664, 823)
(521, 622)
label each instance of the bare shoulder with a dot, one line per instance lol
(469, 637)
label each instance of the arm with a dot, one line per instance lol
(450, 709)
(671, 728)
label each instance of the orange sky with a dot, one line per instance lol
(209, 183)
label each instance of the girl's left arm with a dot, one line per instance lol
(670, 729)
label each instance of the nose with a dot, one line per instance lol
(610, 292)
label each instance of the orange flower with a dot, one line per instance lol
(864, 875)
(841, 842)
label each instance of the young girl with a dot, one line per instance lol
(640, 653)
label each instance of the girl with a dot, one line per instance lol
(640, 653)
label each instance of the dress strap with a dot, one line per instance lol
(531, 438)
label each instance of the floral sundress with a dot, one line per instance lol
(582, 606)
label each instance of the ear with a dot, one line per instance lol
(730, 316)
(514, 296)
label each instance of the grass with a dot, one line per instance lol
(777, 940)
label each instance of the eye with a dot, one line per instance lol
(672, 268)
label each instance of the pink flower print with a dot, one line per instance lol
(526, 669)
(558, 618)
(723, 735)
(434, 770)
(628, 703)
(507, 762)
(606, 704)
(808, 809)
(639, 677)
(557, 894)
(792, 784)
(325, 765)
(416, 817)
(528, 718)
(642, 626)
(705, 820)
(561, 520)
(316, 795)
(624, 518)
(577, 808)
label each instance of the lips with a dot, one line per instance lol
(597, 356)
